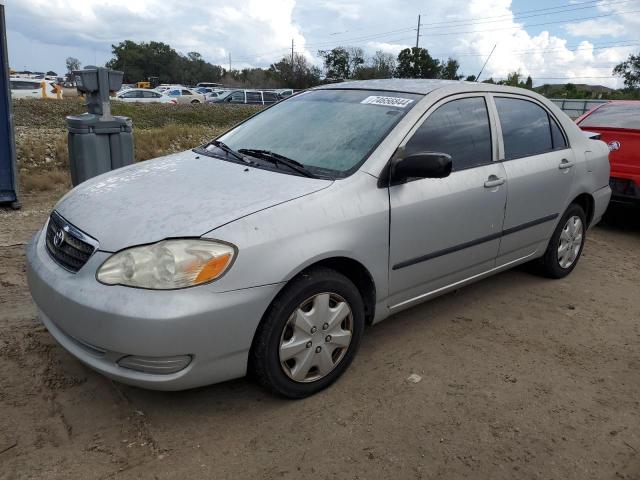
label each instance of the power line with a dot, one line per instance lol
(524, 14)
(536, 24)
(381, 35)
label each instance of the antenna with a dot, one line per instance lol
(485, 62)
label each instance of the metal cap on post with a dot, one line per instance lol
(98, 141)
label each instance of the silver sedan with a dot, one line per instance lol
(268, 250)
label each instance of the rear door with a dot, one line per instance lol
(540, 169)
(446, 230)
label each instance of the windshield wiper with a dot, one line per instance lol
(228, 150)
(276, 159)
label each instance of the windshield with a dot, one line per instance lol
(614, 115)
(328, 131)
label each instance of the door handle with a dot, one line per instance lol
(564, 164)
(493, 181)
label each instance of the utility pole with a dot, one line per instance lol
(229, 62)
(418, 33)
(292, 54)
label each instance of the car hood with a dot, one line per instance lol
(180, 195)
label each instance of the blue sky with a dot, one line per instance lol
(552, 40)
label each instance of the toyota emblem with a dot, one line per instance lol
(58, 238)
(614, 145)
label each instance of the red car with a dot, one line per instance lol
(618, 123)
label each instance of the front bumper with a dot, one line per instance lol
(101, 324)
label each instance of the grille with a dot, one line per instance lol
(67, 245)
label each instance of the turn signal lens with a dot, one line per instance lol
(168, 264)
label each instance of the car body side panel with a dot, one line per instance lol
(354, 223)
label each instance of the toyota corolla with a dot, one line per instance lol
(268, 250)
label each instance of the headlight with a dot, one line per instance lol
(168, 264)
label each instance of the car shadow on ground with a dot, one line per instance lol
(621, 219)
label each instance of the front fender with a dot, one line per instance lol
(348, 219)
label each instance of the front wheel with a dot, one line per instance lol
(309, 335)
(565, 246)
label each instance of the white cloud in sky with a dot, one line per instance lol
(259, 32)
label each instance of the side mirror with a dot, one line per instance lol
(421, 165)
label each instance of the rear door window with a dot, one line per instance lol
(270, 97)
(459, 128)
(237, 97)
(23, 85)
(526, 127)
(254, 97)
(614, 115)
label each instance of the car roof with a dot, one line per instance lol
(419, 86)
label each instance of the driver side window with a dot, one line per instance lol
(459, 128)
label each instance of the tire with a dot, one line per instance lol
(195, 101)
(555, 265)
(288, 327)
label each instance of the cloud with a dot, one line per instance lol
(254, 31)
(595, 28)
(259, 32)
(388, 47)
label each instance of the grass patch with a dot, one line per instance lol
(34, 112)
(45, 181)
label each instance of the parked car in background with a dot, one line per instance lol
(254, 97)
(283, 93)
(209, 93)
(209, 85)
(185, 95)
(143, 95)
(618, 124)
(268, 249)
(32, 88)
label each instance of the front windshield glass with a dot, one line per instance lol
(328, 131)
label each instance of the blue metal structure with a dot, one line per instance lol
(8, 184)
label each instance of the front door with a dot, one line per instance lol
(445, 230)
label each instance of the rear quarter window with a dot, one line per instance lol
(614, 115)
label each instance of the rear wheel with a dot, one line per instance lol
(565, 246)
(195, 101)
(309, 335)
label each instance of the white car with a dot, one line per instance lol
(185, 95)
(143, 95)
(33, 88)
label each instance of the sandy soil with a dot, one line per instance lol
(522, 377)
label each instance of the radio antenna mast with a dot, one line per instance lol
(485, 63)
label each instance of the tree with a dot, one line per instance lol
(416, 62)
(630, 71)
(449, 70)
(342, 62)
(140, 61)
(470, 78)
(72, 64)
(299, 75)
(529, 83)
(381, 65)
(51, 73)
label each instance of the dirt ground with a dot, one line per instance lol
(522, 377)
